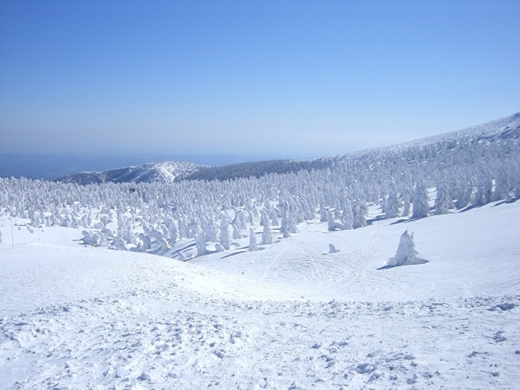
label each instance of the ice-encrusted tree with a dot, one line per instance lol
(252, 240)
(443, 201)
(501, 191)
(324, 213)
(200, 242)
(334, 223)
(240, 220)
(392, 204)
(1, 235)
(406, 204)
(421, 208)
(347, 217)
(406, 253)
(359, 213)
(332, 249)
(517, 189)
(267, 236)
(210, 231)
(224, 239)
(466, 190)
(236, 232)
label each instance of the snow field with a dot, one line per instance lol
(291, 315)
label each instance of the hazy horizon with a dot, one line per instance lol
(48, 166)
(286, 78)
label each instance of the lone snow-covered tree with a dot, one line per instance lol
(406, 253)
(1, 235)
(332, 249)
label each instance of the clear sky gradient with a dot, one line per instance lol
(268, 78)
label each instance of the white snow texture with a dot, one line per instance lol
(143, 286)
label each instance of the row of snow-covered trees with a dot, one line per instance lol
(157, 217)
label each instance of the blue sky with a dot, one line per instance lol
(268, 78)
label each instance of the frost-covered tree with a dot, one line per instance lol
(324, 214)
(252, 239)
(443, 201)
(466, 190)
(267, 236)
(406, 253)
(118, 243)
(210, 231)
(284, 226)
(274, 218)
(406, 206)
(333, 222)
(236, 232)
(200, 243)
(517, 189)
(421, 208)
(224, 239)
(240, 220)
(1, 235)
(501, 191)
(392, 204)
(359, 213)
(264, 218)
(347, 218)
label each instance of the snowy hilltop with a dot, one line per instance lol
(396, 267)
(165, 172)
(443, 145)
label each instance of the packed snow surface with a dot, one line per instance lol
(292, 315)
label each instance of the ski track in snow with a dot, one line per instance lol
(290, 316)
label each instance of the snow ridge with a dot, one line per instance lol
(166, 172)
(504, 128)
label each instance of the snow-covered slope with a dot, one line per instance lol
(504, 128)
(165, 172)
(279, 281)
(291, 315)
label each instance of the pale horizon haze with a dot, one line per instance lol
(273, 79)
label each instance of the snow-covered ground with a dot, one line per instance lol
(291, 315)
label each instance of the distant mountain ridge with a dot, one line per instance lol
(170, 171)
(167, 171)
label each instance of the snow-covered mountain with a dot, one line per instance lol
(505, 128)
(395, 267)
(165, 172)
